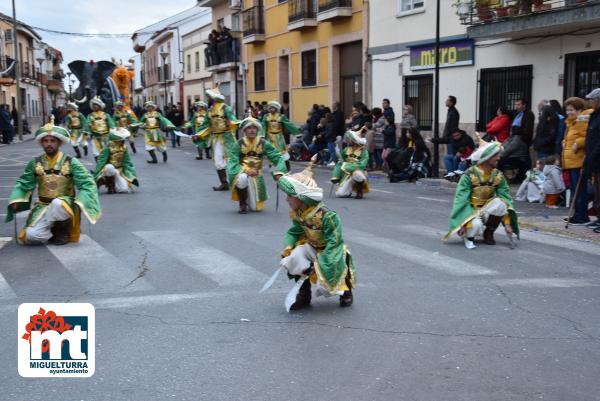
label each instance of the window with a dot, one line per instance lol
(259, 75)
(582, 74)
(189, 63)
(411, 6)
(197, 58)
(309, 68)
(418, 93)
(235, 22)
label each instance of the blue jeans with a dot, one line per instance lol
(332, 154)
(541, 155)
(580, 215)
(451, 163)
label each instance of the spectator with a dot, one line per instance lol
(314, 119)
(573, 153)
(560, 134)
(499, 128)
(338, 116)
(319, 142)
(452, 122)
(523, 122)
(367, 117)
(354, 122)
(378, 118)
(547, 128)
(408, 119)
(370, 146)
(387, 109)
(553, 185)
(531, 187)
(330, 138)
(418, 164)
(515, 155)
(592, 154)
(6, 127)
(389, 138)
(462, 145)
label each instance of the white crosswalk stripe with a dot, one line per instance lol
(96, 269)
(224, 269)
(418, 256)
(5, 291)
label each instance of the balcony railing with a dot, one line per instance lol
(302, 13)
(520, 18)
(254, 24)
(331, 9)
(5, 63)
(222, 55)
(25, 71)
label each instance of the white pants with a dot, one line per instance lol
(243, 181)
(121, 184)
(219, 155)
(301, 259)
(161, 148)
(41, 232)
(346, 188)
(494, 208)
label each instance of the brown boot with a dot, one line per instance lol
(346, 298)
(61, 231)
(491, 225)
(110, 184)
(223, 178)
(243, 195)
(304, 296)
(359, 189)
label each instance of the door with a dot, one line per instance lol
(418, 93)
(350, 75)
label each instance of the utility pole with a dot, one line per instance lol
(17, 73)
(436, 95)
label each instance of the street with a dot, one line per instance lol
(174, 273)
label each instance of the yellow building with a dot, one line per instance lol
(302, 52)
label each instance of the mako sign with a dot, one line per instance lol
(452, 54)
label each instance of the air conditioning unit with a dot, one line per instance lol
(235, 4)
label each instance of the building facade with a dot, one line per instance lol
(196, 78)
(490, 54)
(303, 52)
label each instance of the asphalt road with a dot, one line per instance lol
(174, 272)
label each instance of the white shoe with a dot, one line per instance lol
(468, 243)
(331, 164)
(458, 172)
(450, 175)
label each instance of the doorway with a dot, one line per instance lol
(351, 78)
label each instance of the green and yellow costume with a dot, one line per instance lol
(116, 153)
(126, 119)
(100, 123)
(273, 127)
(152, 121)
(77, 125)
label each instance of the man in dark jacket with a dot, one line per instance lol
(462, 145)
(545, 134)
(515, 155)
(388, 111)
(338, 116)
(592, 154)
(452, 121)
(523, 122)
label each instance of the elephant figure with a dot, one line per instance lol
(92, 78)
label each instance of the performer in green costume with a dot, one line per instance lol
(218, 129)
(114, 168)
(274, 124)
(245, 167)
(483, 199)
(200, 110)
(315, 252)
(154, 138)
(99, 123)
(77, 126)
(126, 119)
(65, 188)
(350, 171)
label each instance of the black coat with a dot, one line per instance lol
(389, 136)
(592, 144)
(452, 121)
(525, 130)
(547, 129)
(340, 123)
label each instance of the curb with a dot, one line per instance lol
(17, 142)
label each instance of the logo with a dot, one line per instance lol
(56, 340)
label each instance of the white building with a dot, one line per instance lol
(196, 78)
(161, 50)
(491, 58)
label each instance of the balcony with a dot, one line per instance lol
(525, 18)
(9, 77)
(332, 9)
(301, 14)
(222, 55)
(254, 25)
(55, 85)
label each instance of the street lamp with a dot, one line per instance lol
(69, 82)
(41, 60)
(164, 56)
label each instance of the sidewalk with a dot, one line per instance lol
(532, 216)
(16, 141)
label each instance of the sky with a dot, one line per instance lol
(105, 16)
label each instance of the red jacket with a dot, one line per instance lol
(499, 127)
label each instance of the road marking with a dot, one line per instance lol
(5, 291)
(224, 269)
(418, 255)
(381, 190)
(433, 199)
(547, 282)
(96, 268)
